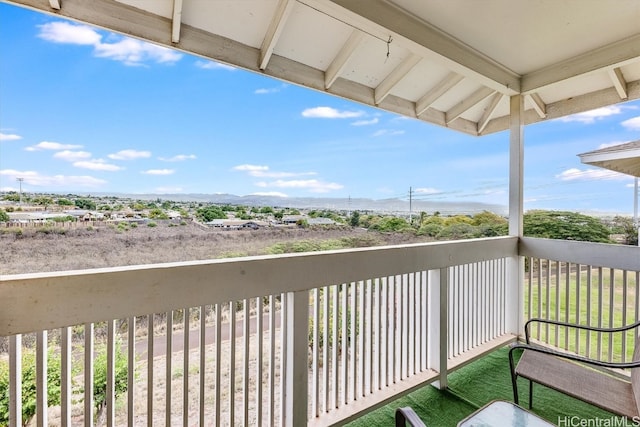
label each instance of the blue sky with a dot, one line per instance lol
(86, 111)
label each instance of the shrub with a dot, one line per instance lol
(152, 224)
(29, 386)
(100, 376)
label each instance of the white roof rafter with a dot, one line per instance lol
(538, 104)
(176, 21)
(435, 93)
(489, 111)
(55, 4)
(275, 30)
(474, 99)
(387, 85)
(619, 82)
(340, 61)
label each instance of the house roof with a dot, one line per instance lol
(453, 63)
(623, 158)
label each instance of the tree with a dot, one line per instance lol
(565, 225)
(4, 217)
(354, 221)
(43, 201)
(210, 213)
(624, 225)
(64, 202)
(87, 204)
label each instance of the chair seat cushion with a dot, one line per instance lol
(583, 382)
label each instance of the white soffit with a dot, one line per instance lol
(453, 63)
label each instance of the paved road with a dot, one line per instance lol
(160, 346)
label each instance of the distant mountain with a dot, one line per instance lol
(344, 204)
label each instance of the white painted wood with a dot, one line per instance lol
(395, 77)
(168, 373)
(176, 21)
(15, 381)
(186, 345)
(42, 346)
(259, 359)
(613, 55)
(131, 365)
(315, 351)
(65, 377)
(202, 370)
(325, 348)
(334, 347)
(88, 374)
(296, 359)
(340, 61)
(620, 257)
(245, 369)
(344, 373)
(274, 31)
(466, 104)
(54, 4)
(232, 363)
(111, 373)
(489, 111)
(97, 295)
(218, 371)
(538, 104)
(272, 361)
(446, 84)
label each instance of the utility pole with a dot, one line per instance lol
(410, 204)
(20, 181)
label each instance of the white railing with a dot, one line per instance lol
(585, 283)
(285, 340)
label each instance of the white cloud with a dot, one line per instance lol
(575, 174)
(34, 178)
(135, 52)
(266, 91)
(97, 165)
(158, 172)
(270, 194)
(589, 117)
(9, 137)
(330, 113)
(365, 122)
(212, 65)
(166, 190)
(313, 185)
(427, 190)
(65, 32)
(264, 172)
(129, 155)
(387, 132)
(72, 156)
(178, 158)
(126, 50)
(47, 145)
(632, 124)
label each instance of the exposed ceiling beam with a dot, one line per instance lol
(55, 4)
(436, 92)
(275, 29)
(475, 98)
(619, 82)
(340, 61)
(489, 111)
(426, 40)
(613, 55)
(538, 104)
(386, 86)
(176, 21)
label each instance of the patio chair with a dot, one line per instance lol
(407, 416)
(590, 380)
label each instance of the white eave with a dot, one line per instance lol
(453, 63)
(623, 158)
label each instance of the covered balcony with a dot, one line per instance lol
(325, 338)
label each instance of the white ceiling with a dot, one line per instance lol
(449, 62)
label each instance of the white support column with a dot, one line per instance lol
(437, 333)
(297, 359)
(515, 266)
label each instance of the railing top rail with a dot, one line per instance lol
(39, 301)
(586, 253)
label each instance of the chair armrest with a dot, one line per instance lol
(574, 357)
(577, 326)
(407, 415)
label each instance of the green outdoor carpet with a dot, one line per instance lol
(479, 383)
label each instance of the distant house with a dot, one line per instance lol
(84, 215)
(320, 221)
(235, 224)
(293, 219)
(33, 217)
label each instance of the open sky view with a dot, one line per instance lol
(86, 111)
